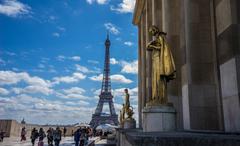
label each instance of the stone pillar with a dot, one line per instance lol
(199, 85)
(171, 25)
(157, 13)
(148, 54)
(227, 13)
(143, 57)
(139, 77)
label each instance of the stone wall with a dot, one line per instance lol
(205, 39)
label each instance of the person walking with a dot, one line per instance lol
(1, 135)
(34, 136)
(64, 131)
(50, 136)
(57, 136)
(77, 135)
(23, 134)
(41, 135)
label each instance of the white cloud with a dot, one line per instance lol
(93, 61)
(76, 77)
(32, 90)
(82, 69)
(96, 78)
(101, 2)
(75, 58)
(129, 67)
(37, 108)
(114, 78)
(90, 1)
(56, 34)
(74, 90)
(128, 43)
(10, 77)
(113, 61)
(120, 79)
(4, 91)
(14, 8)
(60, 58)
(112, 28)
(126, 6)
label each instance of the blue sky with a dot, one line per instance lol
(52, 54)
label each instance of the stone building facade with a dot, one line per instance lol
(204, 36)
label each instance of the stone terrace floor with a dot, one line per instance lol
(67, 141)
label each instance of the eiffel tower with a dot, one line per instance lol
(105, 96)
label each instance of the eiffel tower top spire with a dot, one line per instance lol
(106, 82)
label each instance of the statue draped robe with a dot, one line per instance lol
(163, 69)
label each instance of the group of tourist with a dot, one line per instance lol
(52, 136)
(81, 136)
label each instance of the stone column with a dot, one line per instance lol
(139, 76)
(157, 13)
(227, 13)
(148, 54)
(199, 85)
(171, 25)
(143, 60)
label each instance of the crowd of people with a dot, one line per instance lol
(81, 136)
(53, 136)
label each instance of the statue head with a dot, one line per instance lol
(126, 90)
(153, 30)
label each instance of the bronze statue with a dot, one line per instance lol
(163, 67)
(128, 108)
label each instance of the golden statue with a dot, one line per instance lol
(128, 108)
(163, 67)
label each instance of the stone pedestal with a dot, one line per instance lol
(159, 118)
(129, 124)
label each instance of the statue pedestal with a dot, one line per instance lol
(129, 124)
(159, 118)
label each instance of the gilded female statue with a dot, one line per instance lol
(163, 67)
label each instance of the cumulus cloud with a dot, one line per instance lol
(112, 28)
(76, 77)
(74, 90)
(113, 61)
(93, 61)
(126, 6)
(129, 67)
(101, 2)
(4, 91)
(128, 43)
(33, 90)
(10, 77)
(120, 79)
(75, 58)
(37, 108)
(114, 78)
(14, 8)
